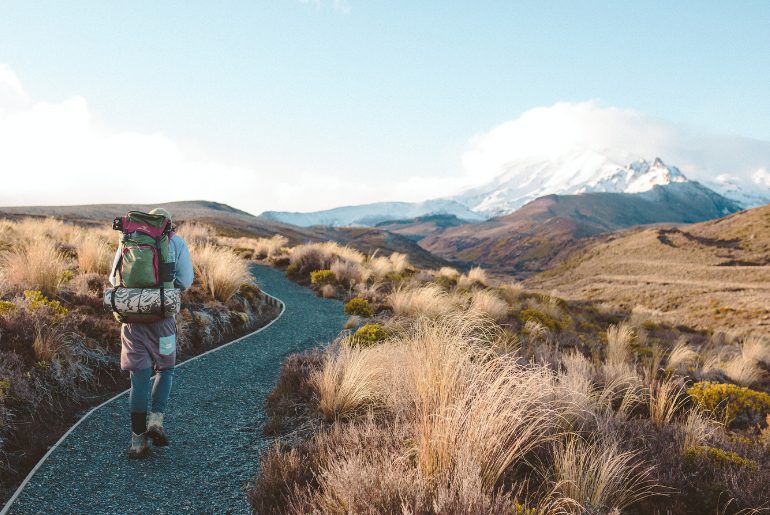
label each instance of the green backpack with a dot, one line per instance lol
(145, 259)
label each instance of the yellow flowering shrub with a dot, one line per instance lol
(37, 300)
(369, 334)
(738, 405)
(322, 277)
(359, 307)
(718, 457)
(6, 307)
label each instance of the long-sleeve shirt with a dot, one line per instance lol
(183, 275)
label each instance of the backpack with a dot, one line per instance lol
(145, 259)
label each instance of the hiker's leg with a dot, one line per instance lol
(138, 399)
(161, 389)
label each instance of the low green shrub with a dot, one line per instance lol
(739, 405)
(717, 457)
(369, 334)
(359, 307)
(322, 278)
(6, 307)
(292, 272)
(539, 316)
(37, 300)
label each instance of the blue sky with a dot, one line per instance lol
(376, 91)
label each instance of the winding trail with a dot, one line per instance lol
(215, 421)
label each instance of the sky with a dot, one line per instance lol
(303, 105)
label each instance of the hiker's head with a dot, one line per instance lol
(161, 211)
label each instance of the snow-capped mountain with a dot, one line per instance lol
(522, 182)
(372, 214)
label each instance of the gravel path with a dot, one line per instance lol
(215, 419)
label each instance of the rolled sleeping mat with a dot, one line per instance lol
(141, 304)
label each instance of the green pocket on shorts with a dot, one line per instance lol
(167, 344)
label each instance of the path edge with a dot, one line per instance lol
(40, 462)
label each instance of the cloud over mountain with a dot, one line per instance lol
(619, 136)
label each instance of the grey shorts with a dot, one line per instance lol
(145, 344)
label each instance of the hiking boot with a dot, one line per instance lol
(139, 448)
(155, 430)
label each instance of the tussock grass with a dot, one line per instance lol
(475, 277)
(682, 356)
(197, 235)
(743, 369)
(757, 349)
(619, 338)
(37, 264)
(270, 247)
(348, 273)
(349, 381)
(667, 398)
(94, 255)
(429, 300)
(489, 303)
(600, 475)
(220, 270)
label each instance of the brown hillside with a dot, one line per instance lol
(711, 274)
(537, 236)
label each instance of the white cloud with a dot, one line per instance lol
(57, 153)
(622, 135)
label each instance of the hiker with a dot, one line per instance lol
(144, 344)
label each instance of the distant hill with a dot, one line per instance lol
(421, 227)
(373, 214)
(535, 236)
(710, 274)
(234, 222)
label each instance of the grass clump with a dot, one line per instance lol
(37, 264)
(738, 405)
(94, 255)
(219, 270)
(358, 306)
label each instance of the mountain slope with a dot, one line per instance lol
(372, 214)
(535, 236)
(710, 274)
(421, 227)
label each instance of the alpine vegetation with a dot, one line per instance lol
(448, 393)
(59, 349)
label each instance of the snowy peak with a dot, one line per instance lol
(522, 181)
(637, 177)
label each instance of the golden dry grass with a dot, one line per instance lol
(429, 300)
(667, 398)
(36, 264)
(600, 475)
(619, 338)
(94, 254)
(269, 247)
(220, 270)
(197, 234)
(349, 381)
(489, 303)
